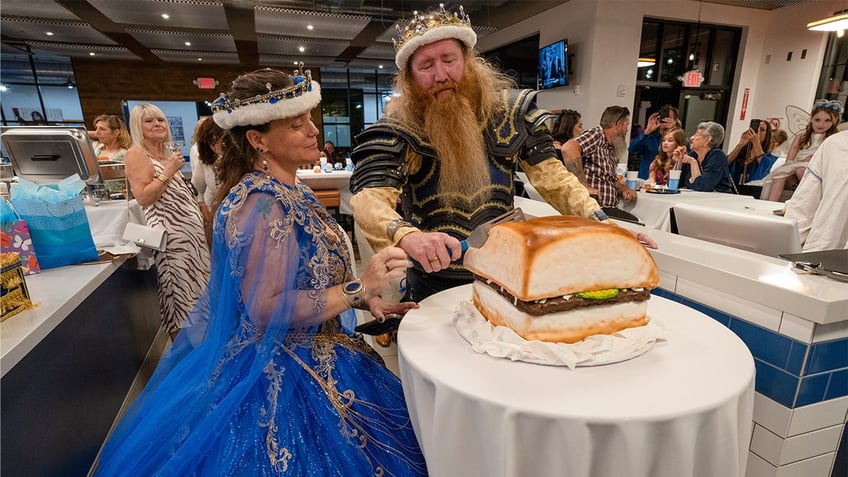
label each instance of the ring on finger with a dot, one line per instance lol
(434, 259)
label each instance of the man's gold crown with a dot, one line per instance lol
(420, 25)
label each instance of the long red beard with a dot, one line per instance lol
(450, 122)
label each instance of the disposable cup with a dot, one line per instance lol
(674, 179)
(620, 170)
(632, 178)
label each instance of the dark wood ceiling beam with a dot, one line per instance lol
(87, 13)
(242, 23)
(367, 37)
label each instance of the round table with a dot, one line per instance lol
(684, 408)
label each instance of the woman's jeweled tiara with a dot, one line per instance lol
(283, 103)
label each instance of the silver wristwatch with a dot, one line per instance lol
(354, 293)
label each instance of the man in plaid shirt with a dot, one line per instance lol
(592, 157)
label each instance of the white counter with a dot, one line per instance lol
(69, 364)
(56, 292)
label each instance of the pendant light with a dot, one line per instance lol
(837, 22)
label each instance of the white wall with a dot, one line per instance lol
(605, 37)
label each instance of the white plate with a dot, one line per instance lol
(503, 342)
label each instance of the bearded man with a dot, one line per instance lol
(592, 156)
(442, 160)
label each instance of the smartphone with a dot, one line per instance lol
(375, 328)
(755, 125)
(664, 112)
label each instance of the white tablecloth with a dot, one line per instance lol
(652, 209)
(108, 220)
(330, 180)
(684, 408)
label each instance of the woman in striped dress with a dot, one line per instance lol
(153, 171)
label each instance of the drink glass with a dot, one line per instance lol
(620, 171)
(632, 178)
(673, 179)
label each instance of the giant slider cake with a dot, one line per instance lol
(562, 278)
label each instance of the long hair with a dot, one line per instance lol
(765, 143)
(207, 135)
(665, 161)
(490, 80)
(237, 155)
(806, 138)
(563, 129)
(115, 123)
(138, 113)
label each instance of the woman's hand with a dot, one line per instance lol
(386, 265)
(678, 153)
(747, 136)
(379, 307)
(653, 123)
(174, 163)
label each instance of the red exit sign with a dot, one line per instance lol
(693, 79)
(206, 83)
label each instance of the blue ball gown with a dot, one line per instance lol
(244, 390)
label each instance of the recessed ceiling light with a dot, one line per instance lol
(296, 62)
(188, 43)
(310, 27)
(200, 59)
(380, 66)
(90, 53)
(3, 88)
(301, 49)
(49, 33)
(166, 16)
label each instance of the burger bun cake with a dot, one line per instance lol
(562, 278)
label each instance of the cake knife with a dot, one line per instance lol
(481, 232)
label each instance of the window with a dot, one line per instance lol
(352, 100)
(680, 47)
(39, 90)
(833, 82)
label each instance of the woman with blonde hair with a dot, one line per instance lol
(113, 139)
(153, 171)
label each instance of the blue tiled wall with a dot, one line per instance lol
(790, 372)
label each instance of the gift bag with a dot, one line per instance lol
(15, 237)
(13, 286)
(57, 221)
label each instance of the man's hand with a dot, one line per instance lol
(644, 238)
(629, 194)
(433, 250)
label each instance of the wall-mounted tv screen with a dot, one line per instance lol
(553, 65)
